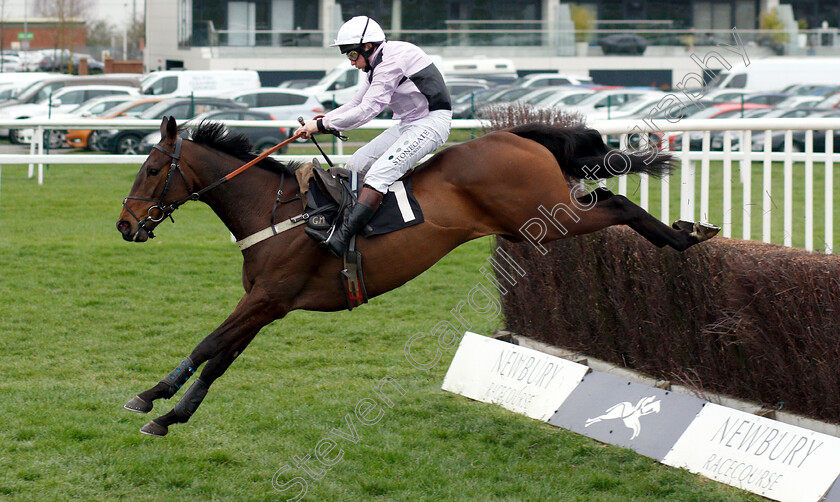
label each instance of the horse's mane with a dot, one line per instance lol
(218, 137)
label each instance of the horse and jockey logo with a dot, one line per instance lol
(629, 414)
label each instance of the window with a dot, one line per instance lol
(227, 116)
(165, 85)
(249, 100)
(280, 99)
(180, 112)
(739, 81)
(73, 97)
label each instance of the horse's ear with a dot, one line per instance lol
(171, 129)
(163, 127)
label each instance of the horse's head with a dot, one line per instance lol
(161, 186)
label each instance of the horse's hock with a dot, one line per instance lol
(757, 321)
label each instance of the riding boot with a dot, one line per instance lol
(361, 213)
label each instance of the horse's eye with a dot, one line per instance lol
(153, 171)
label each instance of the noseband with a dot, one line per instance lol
(159, 212)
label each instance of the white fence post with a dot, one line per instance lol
(829, 190)
(767, 200)
(746, 180)
(686, 181)
(727, 184)
(788, 190)
(809, 190)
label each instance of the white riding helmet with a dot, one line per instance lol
(359, 30)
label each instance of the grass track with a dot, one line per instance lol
(89, 320)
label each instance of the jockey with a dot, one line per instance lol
(399, 75)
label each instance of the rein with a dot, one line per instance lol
(159, 212)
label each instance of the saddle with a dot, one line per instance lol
(329, 194)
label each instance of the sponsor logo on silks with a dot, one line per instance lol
(411, 149)
(629, 414)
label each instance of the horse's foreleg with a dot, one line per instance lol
(609, 209)
(220, 348)
(193, 397)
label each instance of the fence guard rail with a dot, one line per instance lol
(736, 147)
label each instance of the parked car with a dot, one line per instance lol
(716, 137)
(261, 138)
(41, 88)
(299, 83)
(623, 43)
(777, 138)
(766, 98)
(61, 101)
(458, 86)
(563, 97)
(70, 64)
(283, 104)
(608, 99)
(800, 102)
(56, 138)
(11, 64)
(716, 111)
(550, 79)
(640, 106)
(466, 104)
(88, 138)
(126, 141)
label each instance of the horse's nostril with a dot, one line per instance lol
(123, 226)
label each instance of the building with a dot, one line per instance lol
(290, 38)
(43, 33)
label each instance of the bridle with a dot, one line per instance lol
(164, 210)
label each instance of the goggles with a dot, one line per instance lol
(353, 55)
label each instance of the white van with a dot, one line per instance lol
(340, 84)
(203, 83)
(774, 74)
(497, 70)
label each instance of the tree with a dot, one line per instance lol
(136, 38)
(100, 33)
(63, 11)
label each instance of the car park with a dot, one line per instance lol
(608, 100)
(57, 138)
(282, 104)
(126, 141)
(88, 138)
(70, 64)
(715, 111)
(261, 138)
(61, 101)
(798, 137)
(41, 88)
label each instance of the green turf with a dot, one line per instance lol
(89, 320)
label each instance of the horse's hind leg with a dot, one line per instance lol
(607, 208)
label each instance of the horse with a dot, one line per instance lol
(492, 185)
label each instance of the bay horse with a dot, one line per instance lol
(491, 185)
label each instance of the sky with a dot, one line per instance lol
(116, 12)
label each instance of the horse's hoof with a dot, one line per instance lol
(684, 226)
(705, 231)
(154, 429)
(138, 405)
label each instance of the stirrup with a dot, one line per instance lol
(319, 236)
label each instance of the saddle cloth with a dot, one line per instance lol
(399, 208)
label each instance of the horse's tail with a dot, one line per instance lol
(582, 154)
